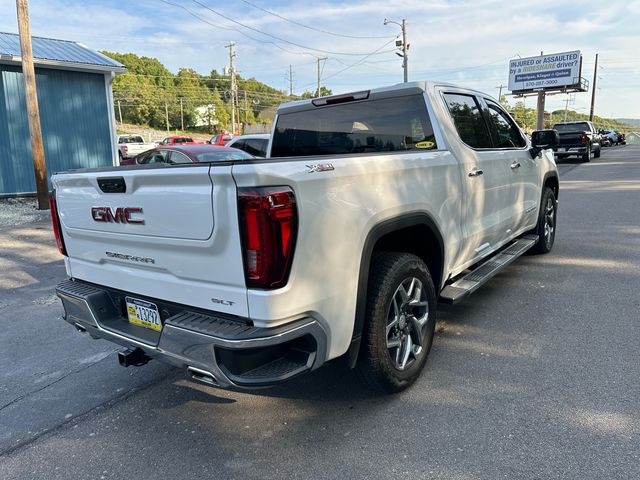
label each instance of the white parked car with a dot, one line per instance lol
(131, 145)
(370, 209)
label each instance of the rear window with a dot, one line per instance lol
(572, 127)
(385, 125)
(131, 139)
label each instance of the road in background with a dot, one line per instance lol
(535, 376)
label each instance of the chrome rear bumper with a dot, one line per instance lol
(221, 351)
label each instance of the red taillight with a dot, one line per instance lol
(53, 207)
(125, 148)
(583, 139)
(269, 223)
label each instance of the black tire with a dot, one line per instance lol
(586, 157)
(547, 221)
(389, 322)
(597, 152)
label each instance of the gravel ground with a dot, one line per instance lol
(20, 211)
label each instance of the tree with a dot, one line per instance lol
(324, 92)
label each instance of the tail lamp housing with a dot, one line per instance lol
(583, 138)
(55, 220)
(269, 227)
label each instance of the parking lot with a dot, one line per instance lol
(535, 376)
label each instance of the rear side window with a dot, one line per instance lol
(506, 132)
(385, 125)
(468, 120)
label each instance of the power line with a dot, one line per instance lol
(309, 27)
(274, 36)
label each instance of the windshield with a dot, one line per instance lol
(223, 155)
(572, 127)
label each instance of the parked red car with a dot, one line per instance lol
(221, 139)
(179, 140)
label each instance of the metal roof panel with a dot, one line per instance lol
(56, 50)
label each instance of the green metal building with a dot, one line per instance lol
(76, 110)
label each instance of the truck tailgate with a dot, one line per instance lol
(172, 234)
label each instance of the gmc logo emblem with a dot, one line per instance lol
(119, 215)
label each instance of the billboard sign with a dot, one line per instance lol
(546, 72)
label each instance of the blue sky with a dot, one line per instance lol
(463, 42)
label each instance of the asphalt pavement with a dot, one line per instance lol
(535, 376)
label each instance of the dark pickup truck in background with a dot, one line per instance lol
(577, 138)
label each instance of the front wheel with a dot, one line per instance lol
(597, 153)
(400, 321)
(547, 219)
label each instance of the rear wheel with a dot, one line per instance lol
(400, 321)
(586, 157)
(547, 218)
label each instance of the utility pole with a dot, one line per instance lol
(181, 116)
(246, 110)
(232, 72)
(593, 91)
(540, 122)
(405, 46)
(405, 51)
(120, 112)
(541, 99)
(166, 114)
(566, 107)
(33, 112)
(290, 81)
(500, 87)
(319, 59)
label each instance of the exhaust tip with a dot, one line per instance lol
(202, 376)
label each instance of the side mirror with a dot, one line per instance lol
(541, 139)
(209, 142)
(545, 138)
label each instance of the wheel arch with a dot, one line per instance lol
(390, 235)
(551, 181)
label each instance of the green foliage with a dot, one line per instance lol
(148, 92)
(527, 118)
(324, 92)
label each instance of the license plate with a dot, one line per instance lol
(144, 314)
(562, 149)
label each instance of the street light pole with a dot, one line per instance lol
(405, 46)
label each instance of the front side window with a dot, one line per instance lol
(507, 133)
(371, 126)
(468, 119)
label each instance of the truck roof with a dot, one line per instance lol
(378, 93)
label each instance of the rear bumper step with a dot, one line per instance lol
(468, 284)
(219, 351)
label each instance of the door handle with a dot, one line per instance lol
(515, 165)
(476, 172)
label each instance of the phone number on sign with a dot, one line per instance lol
(540, 83)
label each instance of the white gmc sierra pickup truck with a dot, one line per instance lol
(370, 209)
